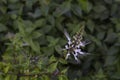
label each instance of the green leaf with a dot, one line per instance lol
(7, 77)
(99, 8)
(101, 35)
(13, 1)
(2, 27)
(52, 41)
(62, 77)
(21, 28)
(58, 49)
(45, 2)
(6, 69)
(64, 8)
(116, 21)
(27, 23)
(76, 28)
(115, 76)
(44, 9)
(117, 1)
(85, 5)
(39, 23)
(91, 47)
(48, 50)
(111, 37)
(52, 67)
(45, 77)
(77, 10)
(52, 59)
(50, 38)
(37, 13)
(112, 50)
(97, 41)
(46, 29)
(35, 34)
(64, 70)
(110, 60)
(51, 19)
(4, 1)
(34, 45)
(29, 3)
(63, 61)
(13, 16)
(109, 1)
(3, 9)
(100, 74)
(90, 25)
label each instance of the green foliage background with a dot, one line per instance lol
(31, 39)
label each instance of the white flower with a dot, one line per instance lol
(74, 47)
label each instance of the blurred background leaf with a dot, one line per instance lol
(32, 39)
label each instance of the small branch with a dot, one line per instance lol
(28, 75)
(25, 75)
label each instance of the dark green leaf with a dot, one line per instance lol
(97, 41)
(65, 7)
(36, 35)
(39, 23)
(90, 25)
(101, 35)
(52, 67)
(2, 28)
(77, 10)
(99, 8)
(111, 37)
(85, 5)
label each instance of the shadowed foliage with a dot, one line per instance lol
(32, 38)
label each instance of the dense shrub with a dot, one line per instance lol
(32, 38)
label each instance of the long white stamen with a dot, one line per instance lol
(68, 54)
(75, 56)
(67, 36)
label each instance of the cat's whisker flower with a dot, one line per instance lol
(74, 46)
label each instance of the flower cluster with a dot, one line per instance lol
(74, 45)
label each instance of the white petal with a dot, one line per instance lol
(67, 36)
(68, 54)
(66, 46)
(75, 56)
(86, 42)
(81, 52)
(77, 50)
(82, 44)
